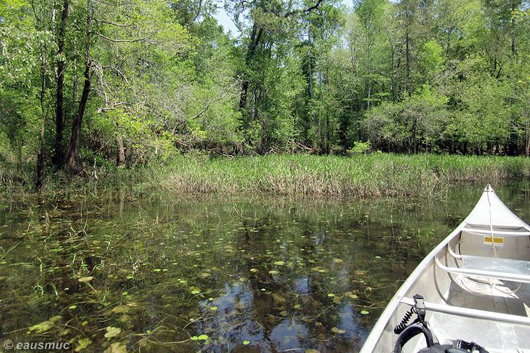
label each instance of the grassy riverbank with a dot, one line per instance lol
(360, 176)
(377, 175)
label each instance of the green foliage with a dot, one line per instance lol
(432, 58)
(412, 125)
(410, 76)
(360, 148)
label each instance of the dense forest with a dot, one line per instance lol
(125, 82)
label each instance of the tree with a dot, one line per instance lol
(272, 29)
(414, 125)
(58, 158)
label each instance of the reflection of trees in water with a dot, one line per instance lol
(228, 250)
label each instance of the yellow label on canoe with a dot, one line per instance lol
(496, 240)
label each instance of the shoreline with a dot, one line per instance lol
(361, 176)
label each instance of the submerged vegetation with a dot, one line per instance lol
(213, 275)
(359, 176)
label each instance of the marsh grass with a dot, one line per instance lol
(362, 176)
(378, 175)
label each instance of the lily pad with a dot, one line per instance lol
(83, 343)
(42, 327)
(120, 309)
(365, 312)
(112, 332)
(331, 295)
(278, 299)
(85, 279)
(246, 342)
(116, 347)
(338, 330)
(351, 295)
(273, 272)
(279, 263)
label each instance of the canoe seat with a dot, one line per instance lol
(516, 267)
(490, 267)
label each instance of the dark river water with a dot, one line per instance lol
(216, 274)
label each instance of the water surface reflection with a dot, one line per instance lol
(216, 274)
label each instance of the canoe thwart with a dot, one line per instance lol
(471, 313)
(523, 233)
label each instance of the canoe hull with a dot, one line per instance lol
(490, 309)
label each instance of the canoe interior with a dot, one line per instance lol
(473, 292)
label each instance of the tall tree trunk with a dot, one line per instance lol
(76, 79)
(369, 83)
(309, 62)
(120, 158)
(309, 116)
(407, 60)
(255, 38)
(58, 158)
(78, 120)
(527, 149)
(392, 73)
(514, 51)
(40, 156)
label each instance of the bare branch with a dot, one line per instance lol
(112, 107)
(120, 40)
(307, 10)
(209, 104)
(198, 11)
(122, 25)
(116, 71)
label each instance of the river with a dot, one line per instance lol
(188, 274)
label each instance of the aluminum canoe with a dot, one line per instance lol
(475, 284)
